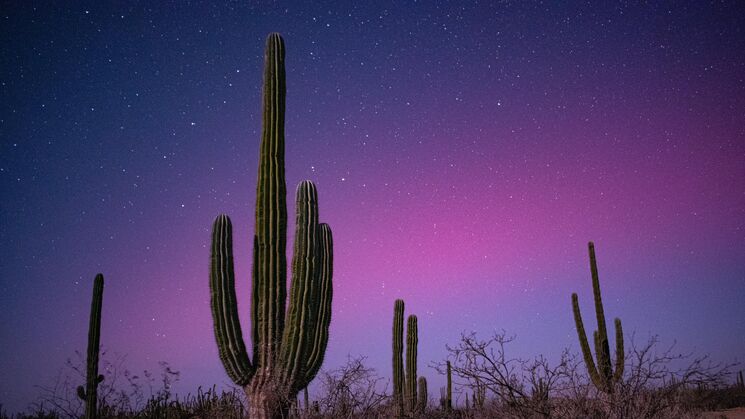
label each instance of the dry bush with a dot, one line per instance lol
(123, 394)
(351, 391)
(658, 382)
(513, 387)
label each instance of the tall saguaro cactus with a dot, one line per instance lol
(288, 345)
(602, 376)
(404, 383)
(89, 394)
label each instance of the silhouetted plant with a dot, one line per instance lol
(288, 347)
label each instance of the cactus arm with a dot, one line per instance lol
(584, 345)
(619, 352)
(412, 339)
(325, 295)
(224, 306)
(301, 314)
(268, 305)
(398, 348)
(255, 298)
(598, 348)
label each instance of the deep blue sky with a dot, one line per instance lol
(464, 152)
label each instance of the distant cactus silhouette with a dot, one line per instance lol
(404, 385)
(449, 390)
(479, 394)
(602, 376)
(288, 347)
(740, 381)
(90, 393)
(422, 395)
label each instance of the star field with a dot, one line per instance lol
(464, 153)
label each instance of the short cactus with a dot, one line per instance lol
(449, 391)
(479, 394)
(288, 347)
(422, 395)
(603, 377)
(89, 394)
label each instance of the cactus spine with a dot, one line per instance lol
(90, 393)
(288, 346)
(422, 395)
(602, 376)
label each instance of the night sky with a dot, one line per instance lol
(464, 153)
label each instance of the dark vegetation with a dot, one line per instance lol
(658, 383)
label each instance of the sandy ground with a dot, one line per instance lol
(736, 413)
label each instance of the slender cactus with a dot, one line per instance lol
(479, 394)
(90, 393)
(449, 393)
(540, 392)
(602, 376)
(740, 381)
(398, 361)
(422, 395)
(412, 339)
(288, 345)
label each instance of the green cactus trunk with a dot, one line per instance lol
(90, 393)
(398, 361)
(288, 345)
(602, 376)
(412, 339)
(422, 395)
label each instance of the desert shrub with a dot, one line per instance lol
(658, 383)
